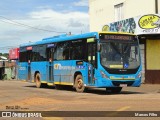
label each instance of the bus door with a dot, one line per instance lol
(91, 55)
(29, 56)
(50, 69)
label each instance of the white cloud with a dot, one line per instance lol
(81, 3)
(60, 20)
(49, 19)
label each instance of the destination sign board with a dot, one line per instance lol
(116, 37)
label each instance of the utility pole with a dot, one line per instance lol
(156, 6)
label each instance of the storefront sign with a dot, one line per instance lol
(146, 24)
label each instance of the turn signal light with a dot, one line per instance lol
(139, 75)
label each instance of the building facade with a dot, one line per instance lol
(106, 11)
(139, 17)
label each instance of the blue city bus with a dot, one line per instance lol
(108, 60)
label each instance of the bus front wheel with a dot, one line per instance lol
(79, 85)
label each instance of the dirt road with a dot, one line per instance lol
(23, 96)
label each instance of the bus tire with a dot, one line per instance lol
(114, 89)
(79, 85)
(38, 80)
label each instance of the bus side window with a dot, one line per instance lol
(29, 56)
(77, 50)
(23, 53)
(66, 54)
(49, 53)
(76, 54)
(55, 54)
(39, 53)
(66, 51)
(62, 51)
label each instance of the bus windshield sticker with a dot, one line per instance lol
(93, 57)
(89, 58)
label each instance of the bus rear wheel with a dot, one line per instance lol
(79, 85)
(38, 80)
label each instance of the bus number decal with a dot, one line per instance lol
(22, 68)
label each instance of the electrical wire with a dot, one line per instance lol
(24, 25)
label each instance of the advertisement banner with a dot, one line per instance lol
(145, 24)
(14, 54)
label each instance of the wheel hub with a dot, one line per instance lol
(80, 83)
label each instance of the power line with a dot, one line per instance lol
(24, 25)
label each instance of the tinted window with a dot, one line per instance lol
(62, 51)
(78, 50)
(22, 54)
(71, 50)
(39, 53)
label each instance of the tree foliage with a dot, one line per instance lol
(4, 54)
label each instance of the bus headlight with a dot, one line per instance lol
(104, 75)
(139, 75)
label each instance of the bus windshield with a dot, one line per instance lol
(119, 54)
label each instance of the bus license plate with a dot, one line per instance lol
(123, 85)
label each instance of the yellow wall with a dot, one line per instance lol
(153, 54)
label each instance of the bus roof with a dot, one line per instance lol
(61, 38)
(65, 37)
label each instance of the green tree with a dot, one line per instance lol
(4, 54)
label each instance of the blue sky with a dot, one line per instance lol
(20, 8)
(53, 15)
